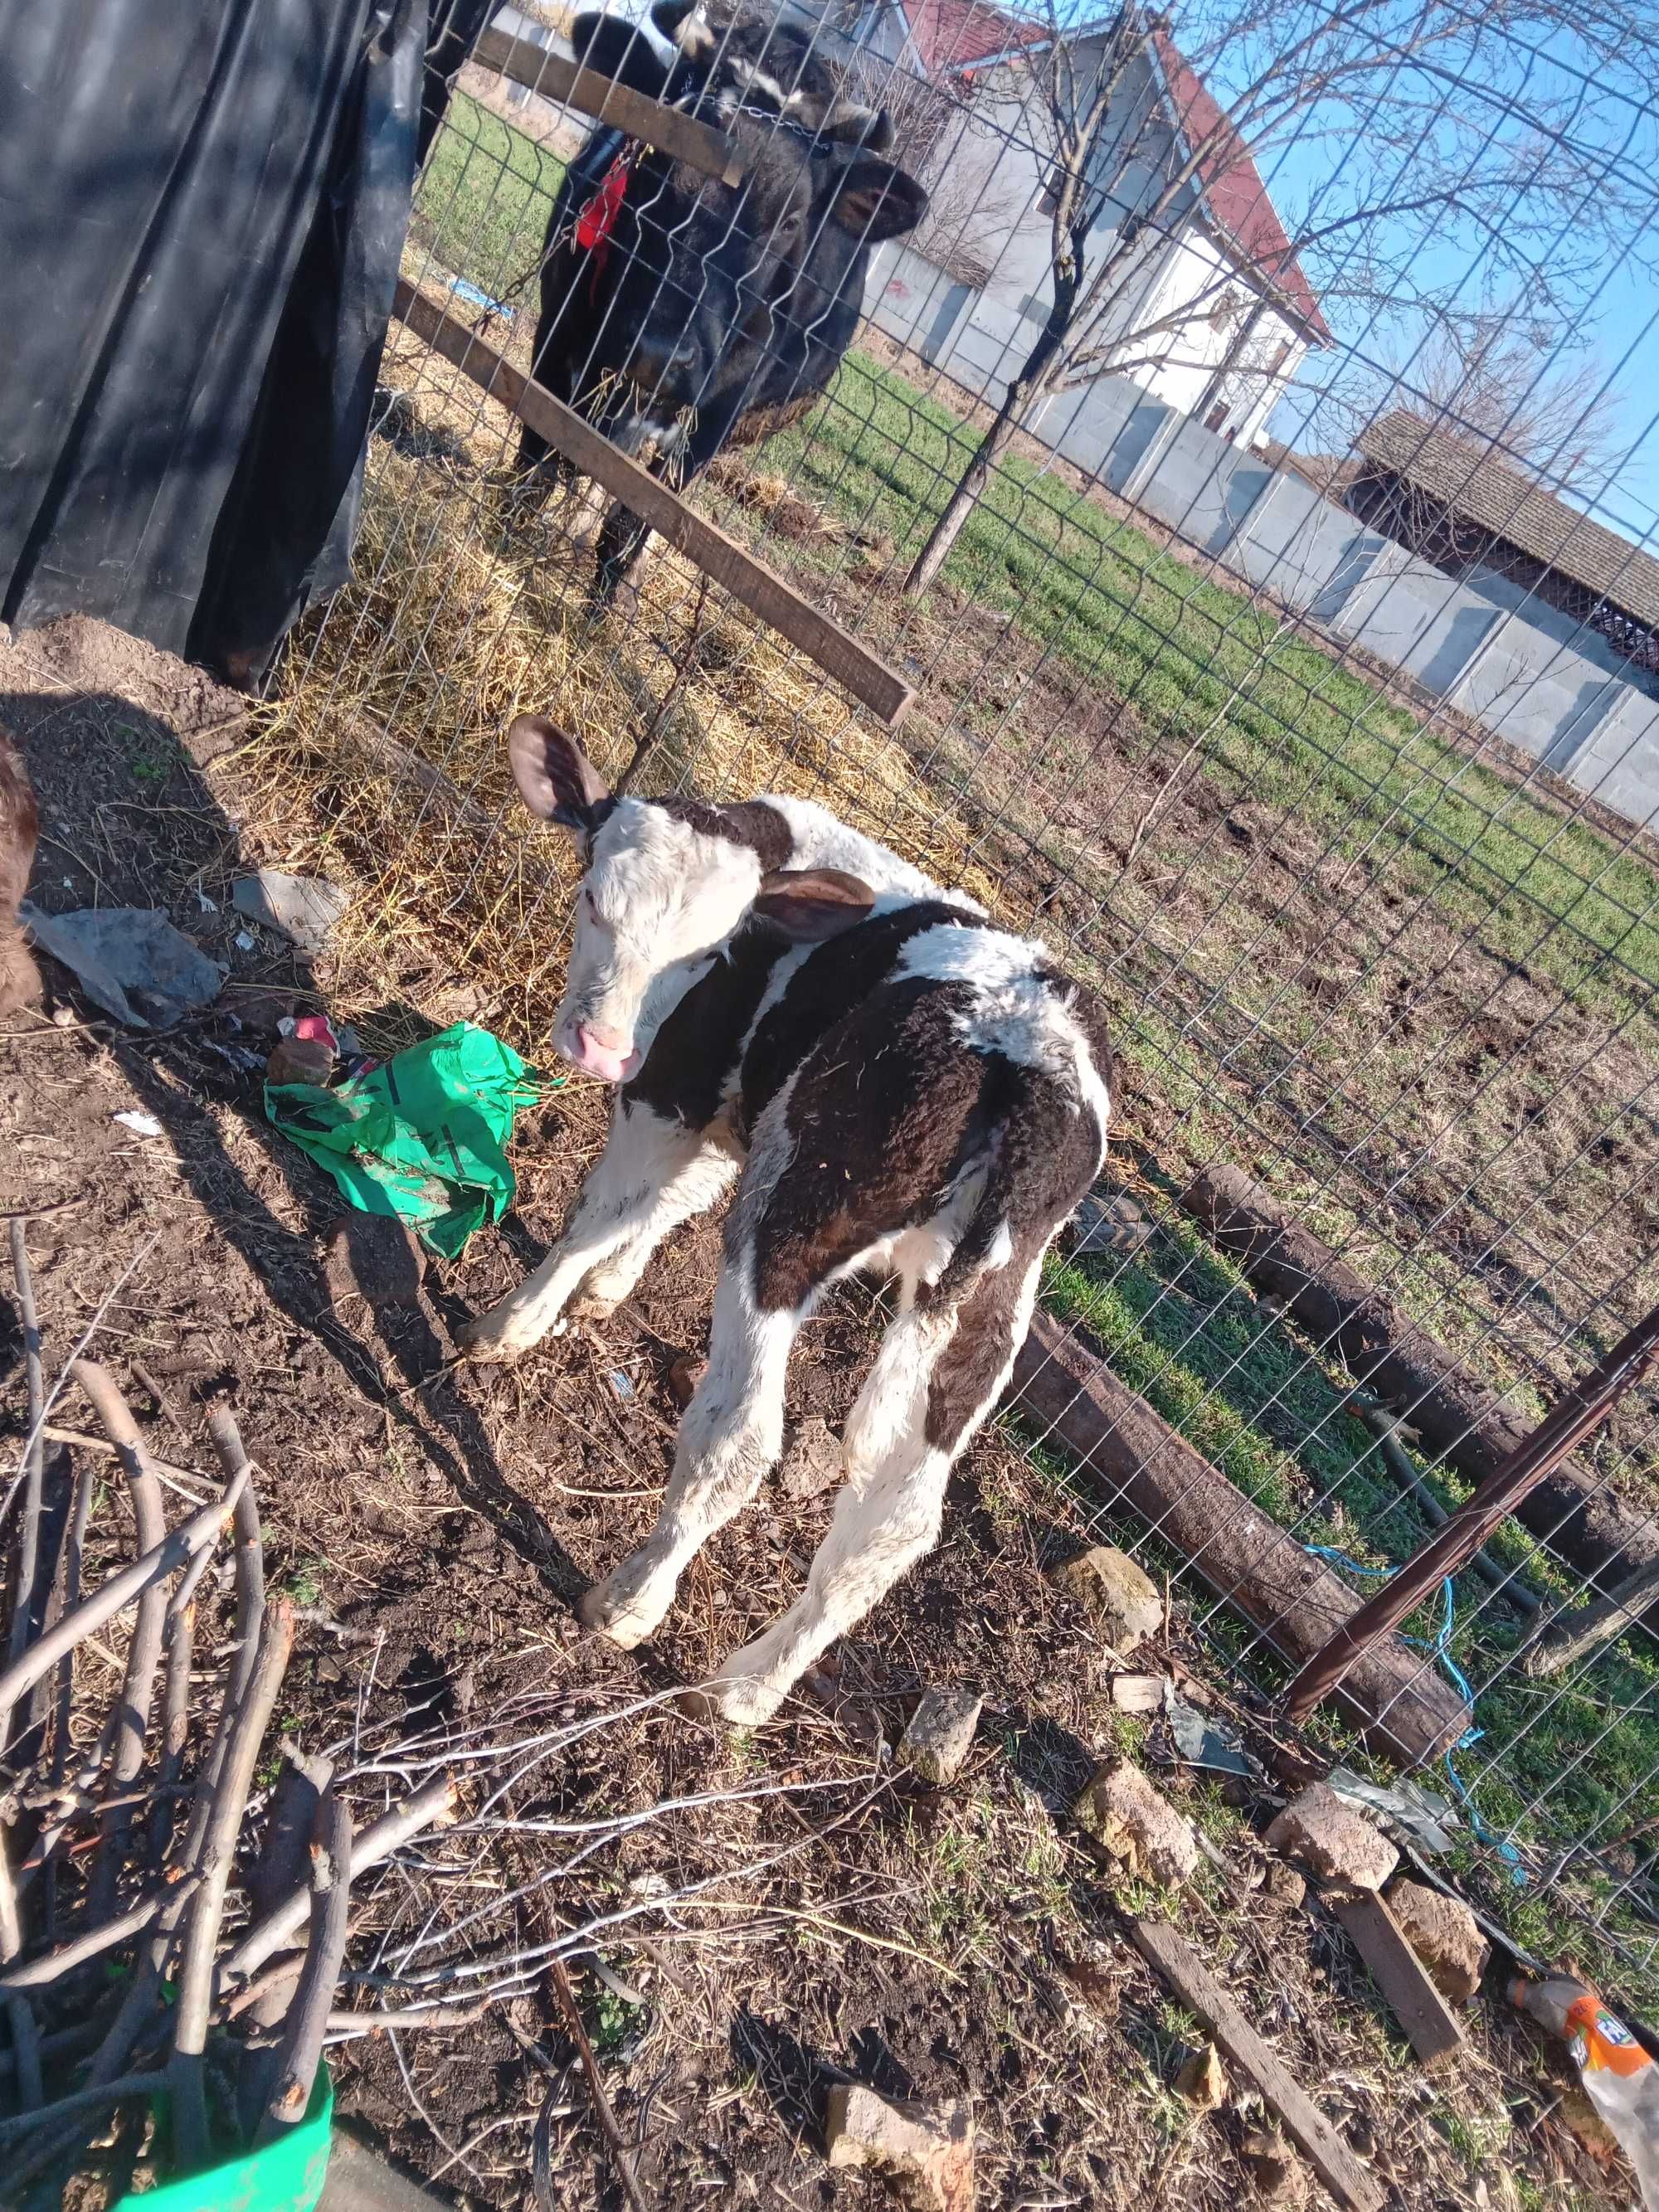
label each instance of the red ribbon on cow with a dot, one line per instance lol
(598, 218)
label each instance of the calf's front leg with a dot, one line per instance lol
(652, 1176)
(730, 1434)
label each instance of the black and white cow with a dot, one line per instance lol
(680, 314)
(896, 1085)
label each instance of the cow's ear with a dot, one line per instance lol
(555, 779)
(811, 904)
(875, 201)
(683, 24)
(610, 45)
(851, 123)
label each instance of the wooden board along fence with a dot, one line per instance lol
(1400, 1704)
(523, 50)
(749, 581)
(1460, 1416)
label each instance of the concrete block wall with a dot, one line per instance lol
(1527, 671)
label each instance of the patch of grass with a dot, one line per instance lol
(151, 758)
(1272, 712)
(484, 198)
(609, 2021)
(304, 1581)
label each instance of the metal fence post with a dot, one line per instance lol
(1573, 1418)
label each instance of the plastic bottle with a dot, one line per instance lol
(1620, 2079)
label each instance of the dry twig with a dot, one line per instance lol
(144, 1652)
(241, 1745)
(607, 2119)
(34, 1451)
(377, 1841)
(301, 2047)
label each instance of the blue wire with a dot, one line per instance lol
(1440, 1646)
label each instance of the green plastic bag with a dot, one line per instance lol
(423, 1136)
(285, 2176)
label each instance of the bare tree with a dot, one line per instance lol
(1514, 129)
(967, 215)
(1501, 386)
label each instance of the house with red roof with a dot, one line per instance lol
(1210, 311)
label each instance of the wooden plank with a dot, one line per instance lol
(1431, 2027)
(1171, 1956)
(852, 665)
(1460, 1416)
(1260, 1569)
(559, 77)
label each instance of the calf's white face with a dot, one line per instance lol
(657, 903)
(659, 898)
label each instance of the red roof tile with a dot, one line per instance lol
(1232, 182)
(956, 34)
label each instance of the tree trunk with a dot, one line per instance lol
(1574, 1636)
(962, 501)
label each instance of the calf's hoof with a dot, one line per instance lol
(494, 1338)
(627, 1605)
(741, 1701)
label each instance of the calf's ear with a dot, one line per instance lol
(615, 46)
(555, 779)
(875, 200)
(812, 904)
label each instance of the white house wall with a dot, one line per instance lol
(1177, 364)
(987, 179)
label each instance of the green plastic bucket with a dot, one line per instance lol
(285, 2176)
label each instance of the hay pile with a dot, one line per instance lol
(467, 607)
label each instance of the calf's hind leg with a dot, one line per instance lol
(936, 1376)
(652, 1176)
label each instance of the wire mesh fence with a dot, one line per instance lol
(1356, 857)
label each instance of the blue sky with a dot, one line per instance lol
(1618, 328)
(1619, 335)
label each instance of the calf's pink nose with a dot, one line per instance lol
(601, 1051)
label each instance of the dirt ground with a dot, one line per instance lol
(437, 1524)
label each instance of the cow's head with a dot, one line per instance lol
(664, 883)
(710, 278)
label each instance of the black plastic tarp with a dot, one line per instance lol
(203, 203)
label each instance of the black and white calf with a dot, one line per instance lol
(896, 1084)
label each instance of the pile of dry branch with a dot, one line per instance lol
(126, 1823)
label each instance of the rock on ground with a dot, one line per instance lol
(1202, 2079)
(940, 1734)
(1333, 1843)
(1127, 1817)
(924, 2152)
(1117, 1593)
(1113, 1224)
(811, 1459)
(1445, 1936)
(684, 1377)
(1284, 1884)
(1279, 2176)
